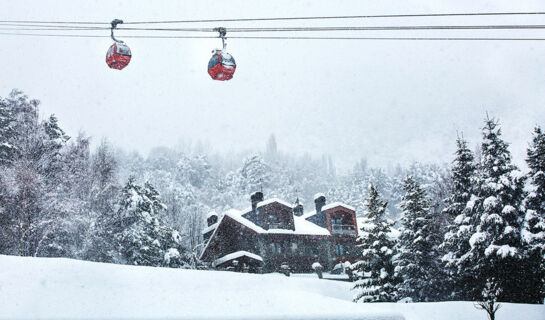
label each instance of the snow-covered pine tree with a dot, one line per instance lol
(375, 272)
(497, 214)
(271, 149)
(415, 262)
(7, 132)
(456, 240)
(255, 173)
(534, 222)
(65, 228)
(140, 237)
(25, 182)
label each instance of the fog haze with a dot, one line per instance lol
(388, 101)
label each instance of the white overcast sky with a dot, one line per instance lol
(391, 102)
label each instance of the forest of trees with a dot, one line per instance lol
(487, 243)
(462, 227)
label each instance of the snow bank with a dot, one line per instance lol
(51, 288)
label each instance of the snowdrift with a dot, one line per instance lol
(52, 288)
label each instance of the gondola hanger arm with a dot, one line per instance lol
(114, 23)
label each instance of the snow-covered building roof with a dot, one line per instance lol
(210, 228)
(235, 215)
(302, 227)
(327, 207)
(236, 255)
(309, 214)
(273, 200)
(337, 204)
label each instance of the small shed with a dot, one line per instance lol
(239, 261)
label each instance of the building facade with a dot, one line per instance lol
(272, 233)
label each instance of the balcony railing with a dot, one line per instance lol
(346, 229)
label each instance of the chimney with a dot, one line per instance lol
(319, 201)
(298, 209)
(211, 218)
(256, 197)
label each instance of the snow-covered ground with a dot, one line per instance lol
(41, 288)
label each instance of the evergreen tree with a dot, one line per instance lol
(497, 213)
(375, 272)
(271, 150)
(66, 230)
(415, 262)
(255, 173)
(140, 238)
(459, 229)
(534, 222)
(7, 133)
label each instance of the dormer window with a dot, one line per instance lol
(342, 223)
(274, 222)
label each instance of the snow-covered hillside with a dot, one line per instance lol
(45, 288)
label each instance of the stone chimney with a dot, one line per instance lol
(319, 202)
(298, 209)
(256, 197)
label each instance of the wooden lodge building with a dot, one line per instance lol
(272, 233)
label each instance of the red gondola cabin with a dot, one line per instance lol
(118, 56)
(221, 66)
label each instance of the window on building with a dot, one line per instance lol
(339, 249)
(276, 247)
(274, 221)
(294, 247)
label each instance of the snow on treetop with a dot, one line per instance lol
(477, 237)
(495, 218)
(316, 265)
(502, 251)
(508, 209)
(459, 218)
(171, 253)
(490, 202)
(471, 203)
(236, 255)
(394, 233)
(318, 195)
